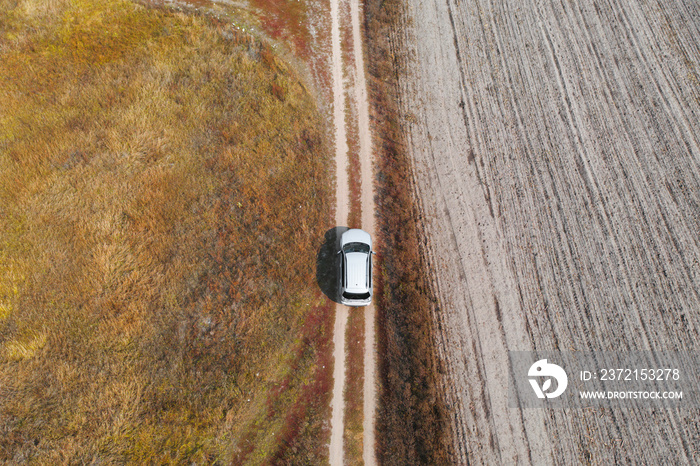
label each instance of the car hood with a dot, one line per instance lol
(356, 236)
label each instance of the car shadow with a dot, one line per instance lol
(327, 263)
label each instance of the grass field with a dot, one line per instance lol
(163, 189)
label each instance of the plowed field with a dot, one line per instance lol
(557, 158)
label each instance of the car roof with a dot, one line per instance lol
(356, 272)
(355, 236)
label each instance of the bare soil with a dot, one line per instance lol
(557, 163)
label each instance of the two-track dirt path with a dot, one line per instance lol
(358, 97)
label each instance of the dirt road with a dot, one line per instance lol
(358, 97)
(557, 154)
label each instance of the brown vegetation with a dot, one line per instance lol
(163, 189)
(411, 422)
(353, 168)
(351, 125)
(354, 376)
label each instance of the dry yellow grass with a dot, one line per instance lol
(163, 189)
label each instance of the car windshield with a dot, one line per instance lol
(356, 247)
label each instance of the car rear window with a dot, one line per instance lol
(347, 295)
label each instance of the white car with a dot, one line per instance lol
(355, 268)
